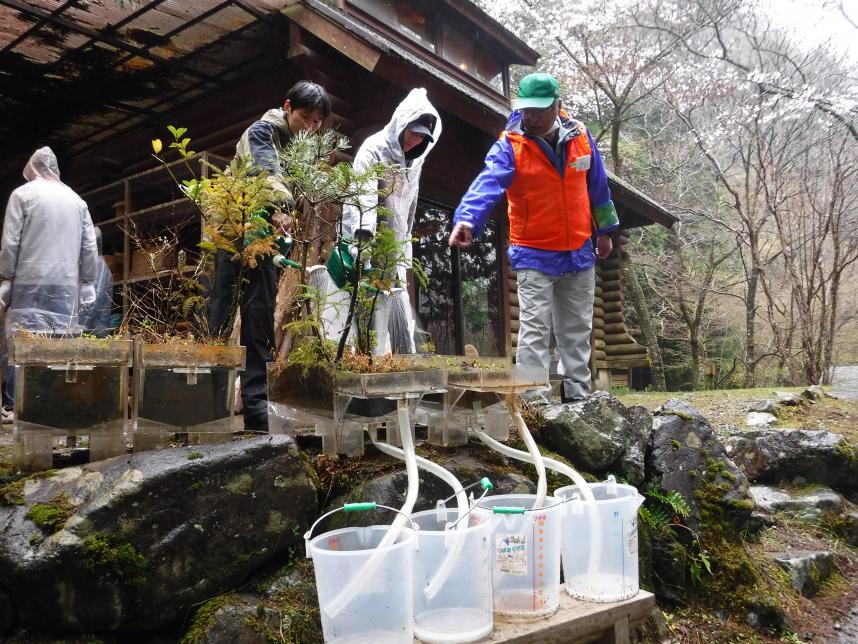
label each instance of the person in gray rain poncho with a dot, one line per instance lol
(404, 143)
(96, 319)
(48, 258)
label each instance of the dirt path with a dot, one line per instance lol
(846, 382)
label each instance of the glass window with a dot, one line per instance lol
(459, 49)
(447, 311)
(436, 314)
(414, 24)
(481, 296)
(406, 18)
(384, 10)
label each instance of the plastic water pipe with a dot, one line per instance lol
(433, 468)
(347, 594)
(535, 455)
(565, 470)
(452, 555)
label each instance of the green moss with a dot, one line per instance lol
(197, 633)
(675, 444)
(240, 484)
(298, 605)
(846, 448)
(113, 554)
(744, 505)
(36, 538)
(192, 456)
(50, 517)
(13, 493)
(693, 474)
(242, 560)
(197, 485)
(739, 581)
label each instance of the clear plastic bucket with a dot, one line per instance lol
(615, 576)
(524, 553)
(452, 578)
(382, 612)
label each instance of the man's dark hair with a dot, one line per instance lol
(305, 95)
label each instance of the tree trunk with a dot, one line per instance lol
(751, 328)
(639, 302)
(615, 145)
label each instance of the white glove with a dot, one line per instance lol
(5, 293)
(87, 296)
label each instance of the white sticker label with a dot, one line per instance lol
(581, 163)
(632, 537)
(511, 554)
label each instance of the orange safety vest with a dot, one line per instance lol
(546, 210)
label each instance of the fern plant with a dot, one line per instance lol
(663, 512)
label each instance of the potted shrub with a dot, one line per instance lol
(184, 376)
(330, 380)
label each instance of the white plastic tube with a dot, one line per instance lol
(453, 552)
(535, 455)
(565, 470)
(347, 594)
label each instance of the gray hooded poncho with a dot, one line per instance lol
(384, 147)
(48, 249)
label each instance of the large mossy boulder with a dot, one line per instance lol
(132, 543)
(599, 435)
(686, 457)
(774, 455)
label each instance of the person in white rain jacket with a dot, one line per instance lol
(48, 257)
(404, 143)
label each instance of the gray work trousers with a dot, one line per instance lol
(567, 301)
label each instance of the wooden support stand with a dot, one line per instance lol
(578, 622)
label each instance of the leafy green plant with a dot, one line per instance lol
(234, 204)
(324, 188)
(663, 512)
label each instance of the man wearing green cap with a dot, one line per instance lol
(557, 191)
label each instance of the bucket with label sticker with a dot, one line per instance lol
(614, 577)
(524, 553)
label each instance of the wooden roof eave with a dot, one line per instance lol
(626, 195)
(370, 50)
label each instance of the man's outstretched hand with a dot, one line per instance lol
(604, 246)
(461, 236)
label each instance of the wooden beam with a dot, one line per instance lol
(348, 45)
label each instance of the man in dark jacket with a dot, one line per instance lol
(306, 106)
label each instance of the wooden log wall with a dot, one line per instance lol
(613, 347)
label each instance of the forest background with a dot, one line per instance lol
(741, 118)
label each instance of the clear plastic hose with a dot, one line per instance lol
(452, 555)
(347, 594)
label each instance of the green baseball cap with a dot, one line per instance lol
(536, 90)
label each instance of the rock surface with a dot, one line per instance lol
(760, 419)
(807, 505)
(773, 455)
(599, 435)
(136, 541)
(807, 570)
(688, 457)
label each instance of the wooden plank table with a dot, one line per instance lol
(577, 621)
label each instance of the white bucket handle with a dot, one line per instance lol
(362, 506)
